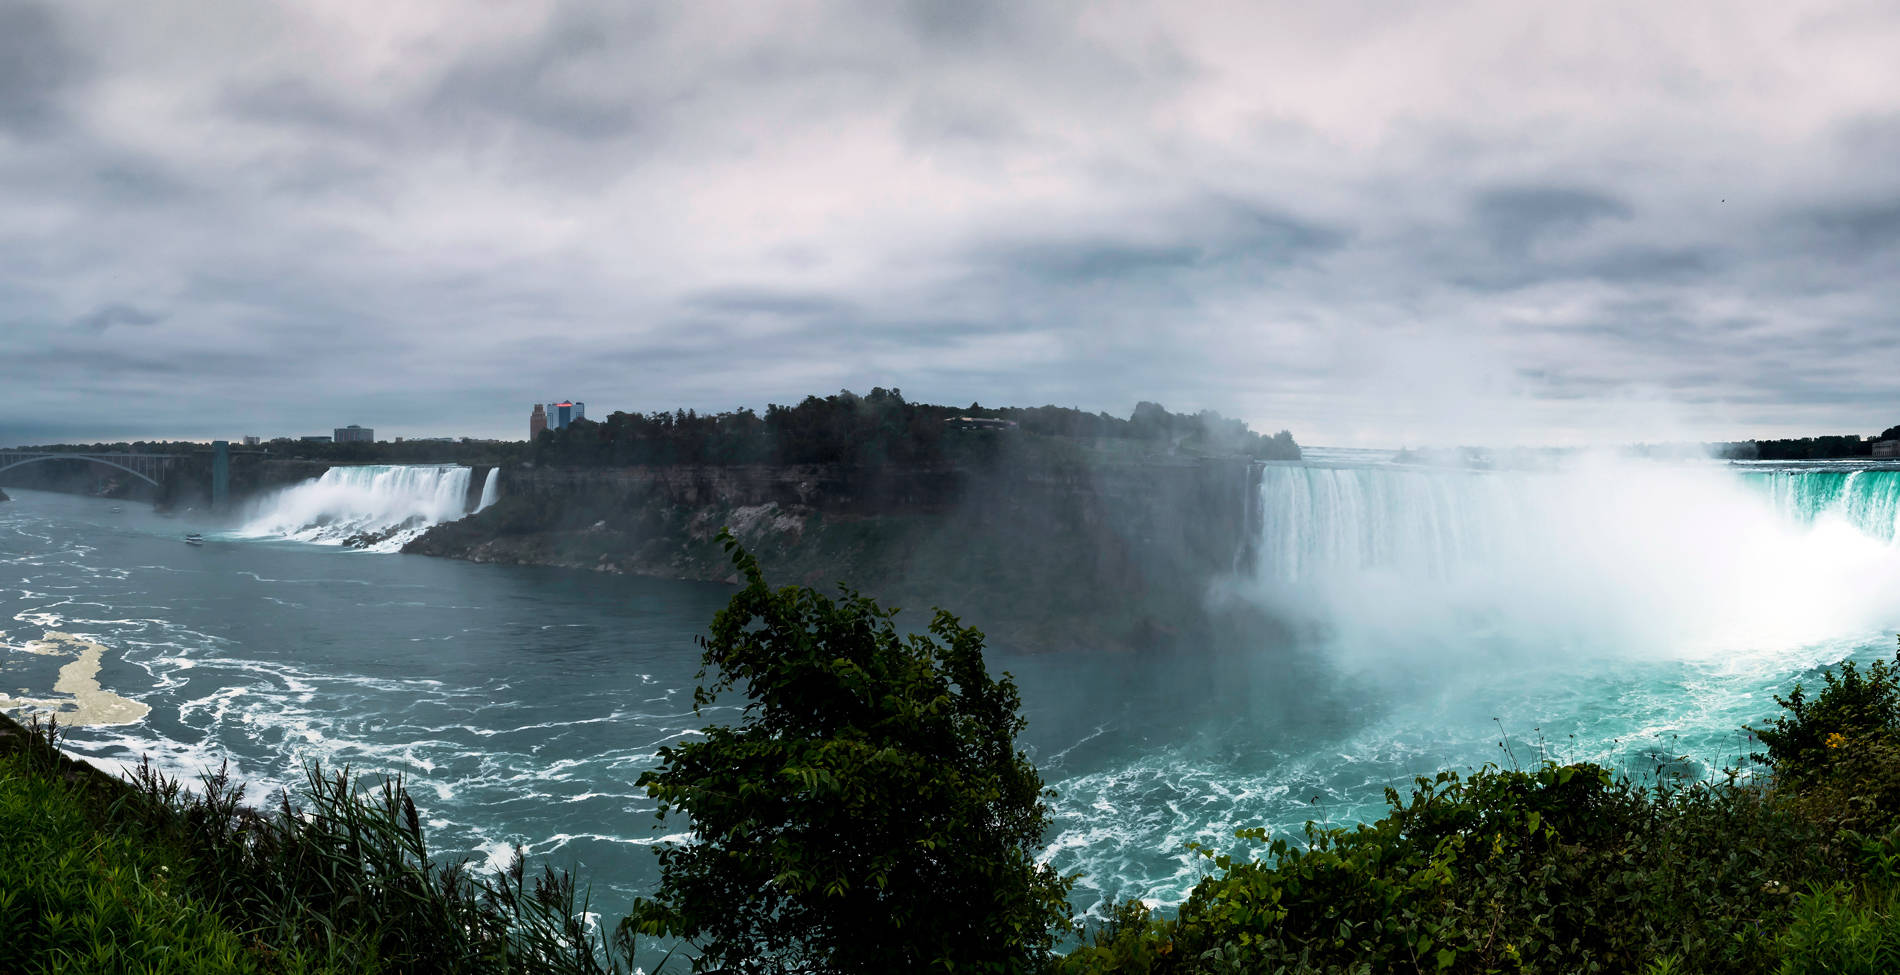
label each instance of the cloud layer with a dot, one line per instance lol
(1371, 223)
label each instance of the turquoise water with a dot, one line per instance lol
(1635, 615)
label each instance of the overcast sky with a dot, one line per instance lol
(1371, 223)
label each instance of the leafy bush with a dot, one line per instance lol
(1132, 939)
(1853, 706)
(869, 812)
(1850, 928)
(1560, 869)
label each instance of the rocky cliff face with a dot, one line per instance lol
(1043, 556)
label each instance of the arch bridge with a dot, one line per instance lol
(145, 467)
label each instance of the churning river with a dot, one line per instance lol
(1635, 614)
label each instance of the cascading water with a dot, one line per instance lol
(1639, 557)
(378, 507)
(1867, 499)
(491, 489)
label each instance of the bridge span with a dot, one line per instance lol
(146, 467)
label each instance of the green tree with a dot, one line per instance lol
(869, 812)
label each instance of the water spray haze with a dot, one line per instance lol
(1401, 570)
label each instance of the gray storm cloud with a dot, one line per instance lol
(1373, 224)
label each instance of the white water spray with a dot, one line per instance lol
(380, 507)
(1398, 569)
(491, 489)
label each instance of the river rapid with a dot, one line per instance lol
(1632, 614)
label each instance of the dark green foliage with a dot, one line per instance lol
(1561, 869)
(1837, 754)
(878, 429)
(336, 878)
(1567, 869)
(1812, 448)
(1133, 939)
(868, 813)
(341, 869)
(1850, 928)
(74, 900)
(1854, 709)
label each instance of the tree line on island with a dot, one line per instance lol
(878, 428)
(1837, 447)
(883, 428)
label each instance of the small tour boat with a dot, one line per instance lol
(194, 539)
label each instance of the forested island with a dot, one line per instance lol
(881, 429)
(1057, 528)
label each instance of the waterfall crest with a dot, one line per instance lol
(1867, 500)
(376, 507)
(1645, 557)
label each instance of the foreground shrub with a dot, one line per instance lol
(336, 878)
(1850, 928)
(870, 811)
(1837, 753)
(1854, 706)
(1560, 869)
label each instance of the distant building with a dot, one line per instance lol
(537, 422)
(251, 441)
(355, 434)
(317, 439)
(563, 413)
(1887, 448)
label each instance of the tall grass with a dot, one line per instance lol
(333, 876)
